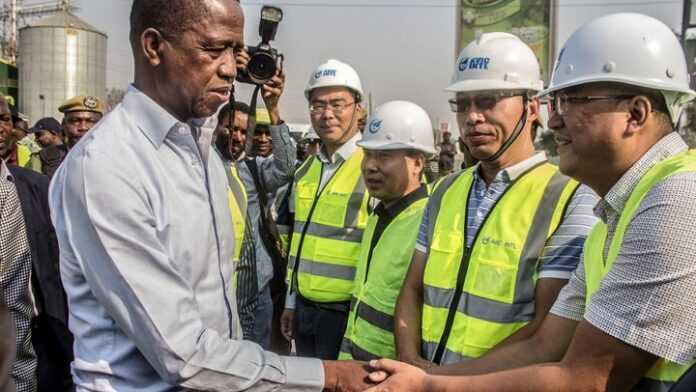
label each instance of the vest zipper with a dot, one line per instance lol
(320, 190)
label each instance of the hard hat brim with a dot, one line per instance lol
(355, 91)
(379, 145)
(488, 84)
(623, 79)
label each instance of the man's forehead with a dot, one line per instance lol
(331, 93)
(239, 115)
(225, 24)
(81, 114)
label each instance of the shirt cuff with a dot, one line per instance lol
(290, 301)
(656, 342)
(303, 374)
(555, 274)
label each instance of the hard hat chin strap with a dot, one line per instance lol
(515, 134)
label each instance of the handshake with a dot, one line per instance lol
(384, 375)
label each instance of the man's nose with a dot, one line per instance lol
(555, 121)
(228, 67)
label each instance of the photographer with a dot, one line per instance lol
(261, 267)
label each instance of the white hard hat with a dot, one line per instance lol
(626, 48)
(398, 125)
(496, 61)
(311, 135)
(335, 73)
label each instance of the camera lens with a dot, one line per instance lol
(262, 67)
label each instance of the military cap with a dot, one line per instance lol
(83, 103)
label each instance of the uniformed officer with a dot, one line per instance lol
(80, 115)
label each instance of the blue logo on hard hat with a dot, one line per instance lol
(324, 73)
(468, 63)
(375, 125)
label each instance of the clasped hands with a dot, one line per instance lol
(384, 375)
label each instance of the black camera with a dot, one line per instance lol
(264, 60)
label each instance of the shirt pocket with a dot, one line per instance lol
(332, 208)
(494, 279)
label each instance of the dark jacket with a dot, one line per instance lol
(50, 335)
(51, 158)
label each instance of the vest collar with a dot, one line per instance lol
(513, 172)
(617, 197)
(343, 153)
(395, 209)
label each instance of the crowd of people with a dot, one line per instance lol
(187, 242)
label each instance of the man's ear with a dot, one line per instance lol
(533, 109)
(152, 43)
(639, 109)
(363, 111)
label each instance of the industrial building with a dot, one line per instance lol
(60, 56)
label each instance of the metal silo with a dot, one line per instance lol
(60, 56)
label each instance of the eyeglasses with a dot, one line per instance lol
(483, 101)
(336, 107)
(558, 103)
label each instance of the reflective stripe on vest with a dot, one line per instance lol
(495, 292)
(664, 373)
(237, 199)
(329, 223)
(370, 329)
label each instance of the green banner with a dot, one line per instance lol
(528, 19)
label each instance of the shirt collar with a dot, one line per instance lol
(513, 172)
(395, 209)
(618, 195)
(5, 172)
(152, 119)
(344, 152)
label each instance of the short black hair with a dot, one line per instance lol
(169, 17)
(238, 107)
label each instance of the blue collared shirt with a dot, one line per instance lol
(146, 239)
(562, 251)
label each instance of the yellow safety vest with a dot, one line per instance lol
(664, 373)
(328, 228)
(380, 275)
(237, 199)
(28, 159)
(476, 297)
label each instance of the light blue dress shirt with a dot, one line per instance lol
(146, 239)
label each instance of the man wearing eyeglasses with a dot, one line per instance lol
(625, 320)
(499, 240)
(330, 207)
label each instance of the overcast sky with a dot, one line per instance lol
(403, 49)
